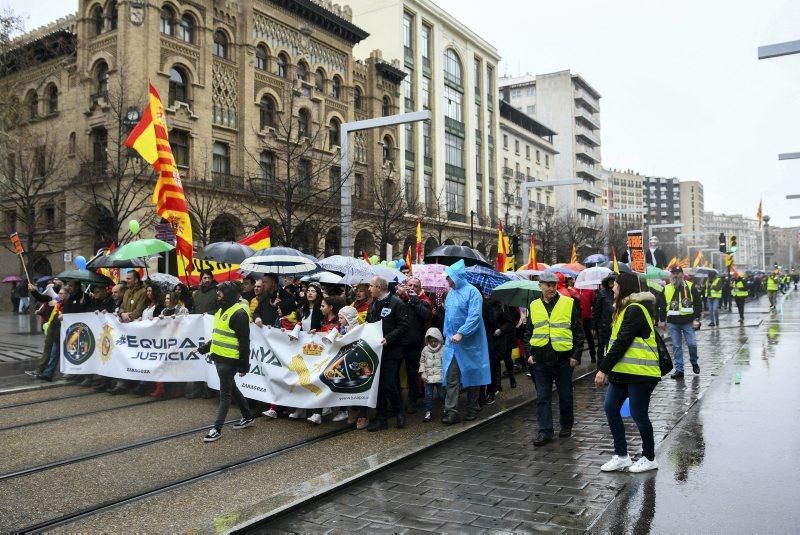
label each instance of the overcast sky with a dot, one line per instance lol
(683, 91)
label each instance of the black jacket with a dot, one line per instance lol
(392, 311)
(204, 300)
(697, 305)
(634, 324)
(601, 312)
(419, 315)
(240, 324)
(547, 355)
(106, 305)
(660, 259)
(505, 319)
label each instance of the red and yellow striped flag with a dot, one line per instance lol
(614, 257)
(419, 242)
(573, 258)
(408, 261)
(532, 263)
(698, 259)
(502, 248)
(150, 139)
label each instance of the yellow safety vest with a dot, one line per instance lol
(641, 357)
(669, 292)
(716, 294)
(739, 289)
(554, 328)
(772, 284)
(223, 340)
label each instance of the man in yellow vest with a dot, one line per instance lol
(740, 293)
(230, 351)
(554, 342)
(772, 288)
(681, 306)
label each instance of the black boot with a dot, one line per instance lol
(513, 381)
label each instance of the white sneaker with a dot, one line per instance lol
(315, 418)
(326, 411)
(341, 417)
(617, 463)
(298, 414)
(643, 465)
(271, 413)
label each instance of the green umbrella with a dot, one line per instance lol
(655, 273)
(518, 293)
(140, 249)
(84, 275)
(655, 286)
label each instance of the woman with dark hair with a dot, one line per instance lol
(183, 296)
(601, 314)
(152, 309)
(631, 370)
(310, 321)
(362, 301)
(330, 307)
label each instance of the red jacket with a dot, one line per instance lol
(586, 299)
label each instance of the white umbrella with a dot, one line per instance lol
(528, 273)
(280, 261)
(342, 264)
(324, 277)
(590, 278)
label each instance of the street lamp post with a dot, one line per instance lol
(346, 189)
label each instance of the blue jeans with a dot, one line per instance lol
(639, 394)
(713, 310)
(677, 333)
(55, 353)
(544, 376)
(431, 390)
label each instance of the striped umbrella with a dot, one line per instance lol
(486, 279)
(281, 261)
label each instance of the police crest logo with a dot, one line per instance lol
(106, 343)
(79, 343)
(352, 369)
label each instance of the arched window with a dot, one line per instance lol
(33, 104)
(302, 71)
(386, 108)
(178, 86)
(283, 65)
(167, 21)
(387, 149)
(220, 44)
(261, 57)
(71, 145)
(319, 80)
(98, 21)
(303, 123)
(357, 98)
(335, 133)
(452, 68)
(113, 15)
(267, 165)
(336, 87)
(186, 29)
(52, 99)
(267, 112)
(101, 79)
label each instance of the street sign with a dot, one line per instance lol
(636, 248)
(165, 233)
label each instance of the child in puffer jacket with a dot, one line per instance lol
(430, 368)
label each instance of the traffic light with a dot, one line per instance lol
(733, 247)
(722, 243)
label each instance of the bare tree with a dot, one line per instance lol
(546, 230)
(298, 176)
(572, 231)
(436, 217)
(205, 205)
(391, 218)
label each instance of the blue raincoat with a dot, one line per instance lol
(463, 314)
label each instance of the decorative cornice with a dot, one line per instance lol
(328, 20)
(390, 72)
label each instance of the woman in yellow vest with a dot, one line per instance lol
(631, 370)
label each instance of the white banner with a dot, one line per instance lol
(309, 372)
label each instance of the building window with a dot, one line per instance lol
(304, 172)
(303, 123)
(266, 112)
(178, 87)
(113, 15)
(167, 21)
(386, 108)
(33, 104)
(478, 69)
(335, 178)
(261, 57)
(358, 186)
(302, 71)
(408, 24)
(336, 87)
(319, 80)
(527, 152)
(428, 186)
(40, 161)
(186, 29)
(531, 91)
(98, 22)
(531, 110)
(425, 39)
(454, 150)
(283, 65)
(547, 161)
(490, 82)
(516, 93)
(409, 137)
(516, 146)
(455, 197)
(452, 68)
(220, 44)
(71, 144)
(426, 138)
(52, 99)
(409, 188)
(221, 159)
(453, 103)
(357, 98)
(334, 133)
(387, 149)
(267, 166)
(426, 93)
(99, 145)
(179, 141)
(505, 141)
(538, 157)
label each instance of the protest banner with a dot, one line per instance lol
(309, 372)
(636, 248)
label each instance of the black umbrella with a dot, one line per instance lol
(450, 254)
(226, 252)
(104, 261)
(281, 261)
(623, 268)
(84, 275)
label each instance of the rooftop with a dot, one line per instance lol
(525, 121)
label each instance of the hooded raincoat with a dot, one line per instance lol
(463, 314)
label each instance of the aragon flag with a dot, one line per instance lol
(150, 139)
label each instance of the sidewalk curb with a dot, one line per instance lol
(329, 482)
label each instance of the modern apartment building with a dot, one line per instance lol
(692, 212)
(662, 197)
(528, 155)
(568, 104)
(624, 190)
(451, 71)
(748, 238)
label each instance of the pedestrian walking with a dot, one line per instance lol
(586, 298)
(631, 370)
(418, 313)
(230, 350)
(502, 340)
(739, 294)
(554, 336)
(430, 369)
(24, 298)
(772, 288)
(465, 361)
(680, 306)
(601, 314)
(714, 288)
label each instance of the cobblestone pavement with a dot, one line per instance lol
(493, 479)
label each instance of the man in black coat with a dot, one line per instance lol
(654, 255)
(391, 311)
(601, 314)
(419, 312)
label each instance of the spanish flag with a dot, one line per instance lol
(759, 214)
(502, 248)
(573, 258)
(684, 262)
(408, 261)
(698, 259)
(419, 242)
(259, 240)
(150, 139)
(614, 258)
(532, 263)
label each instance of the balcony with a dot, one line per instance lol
(428, 161)
(585, 115)
(520, 176)
(587, 153)
(455, 216)
(454, 126)
(595, 192)
(583, 170)
(92, 170)
(586, 99)
(584, 135)
(583, 205)
(100, 98)
(265, 186)
(227, 181)
(508, 172)
(455, 172)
